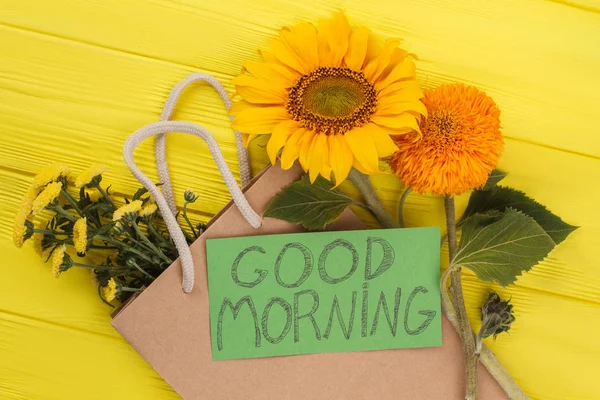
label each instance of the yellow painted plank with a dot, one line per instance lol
(537, 58)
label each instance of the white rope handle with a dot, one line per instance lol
(161, 140)
(166, 202)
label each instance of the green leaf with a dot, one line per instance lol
(493, 179)
(499, 246)
(311, 205)
(500, 198)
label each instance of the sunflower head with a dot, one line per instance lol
(330, 96)
(459, 146)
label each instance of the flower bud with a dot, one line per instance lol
(190, 196)
(496, 316)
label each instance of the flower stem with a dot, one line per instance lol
(142, 270)
(106, 196)
(124, 246)
(487, 357)
(185, 216)
(364, 186)
(464, 329)
(150, 244)
(59, 210)
(401, 207)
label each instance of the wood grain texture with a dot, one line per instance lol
(78, 76)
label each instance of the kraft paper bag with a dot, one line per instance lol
(171, 330)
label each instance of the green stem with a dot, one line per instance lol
(59, 210)
(98, 267)
(142, 270)
(464, 331)
(150, 244)
(188, 220)
(106, 196)
(130, 289)
(364, 186)
(124, 246)
(487, 357)
(401, 206)
(72, 201)
(50, 232)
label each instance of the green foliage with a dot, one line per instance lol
(499, 246)
(311, 205)
(500, 198)
(493, 179)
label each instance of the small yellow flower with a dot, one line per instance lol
(19, 229)
(27, 202)
(109, 292)
(190, 196)
(88, 175)
(94, 194)
(80, 235)
(50, 174)
(48, 195)
(133, 207)
(37, 240)
(148, 210)
(58, 259)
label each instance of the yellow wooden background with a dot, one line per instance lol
(76, 77)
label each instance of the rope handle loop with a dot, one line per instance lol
(165, 199)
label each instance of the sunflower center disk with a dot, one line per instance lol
(332, 100)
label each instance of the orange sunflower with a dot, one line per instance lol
(330, 96)
(460, 142)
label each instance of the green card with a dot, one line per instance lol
(323, 292)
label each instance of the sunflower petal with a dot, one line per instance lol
(398, 105)
(280, 135)
(363, 148)
(376, 66)
(333, 37)
(317, 149)
(302, 39)
(259, 120)
(259, 91)
(383, 142)
(357, 48)
(240, 106)
(326, 165)
(291, 150)
(275, 74)
(268, 56)
(341, 157)
(288, 57)
(304, 147)
(410, 87)
(400, 122)
(405, 70)
(374, 46)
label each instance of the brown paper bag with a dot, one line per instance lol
(171, 330)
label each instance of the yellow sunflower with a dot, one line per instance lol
(330, 96)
